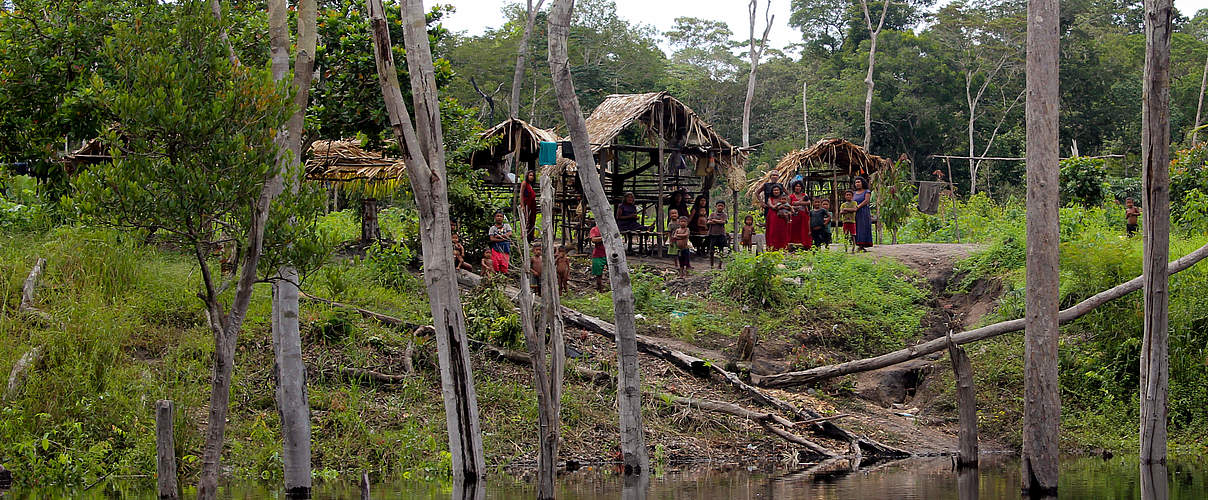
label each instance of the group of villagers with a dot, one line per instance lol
(792, 220)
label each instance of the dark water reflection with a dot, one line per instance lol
(918, 478)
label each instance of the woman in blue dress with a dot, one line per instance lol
(862, 196)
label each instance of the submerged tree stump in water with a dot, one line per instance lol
(165, 451)
(966, 399)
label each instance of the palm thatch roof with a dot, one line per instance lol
(89, 153)
(511, 135)
(671, 120)
(826, 158)
(345, 161)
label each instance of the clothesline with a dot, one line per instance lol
(948, 157)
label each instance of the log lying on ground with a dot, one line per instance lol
(388, 320)
(361, 374)
(1074, 312)
(584, 373)
(763, 419)
(27, 290)
(21, 369)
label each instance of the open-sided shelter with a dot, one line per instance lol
(826, 168)
(343, 162)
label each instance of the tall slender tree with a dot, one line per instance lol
(1155, 154)
(522, 54)
(292, 400)
(755, 52)
(874, 32)
(1042, 399)
(629, 388)
(424, 154)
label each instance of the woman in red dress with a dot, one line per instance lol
(799, 226)
(777, 219)
(528, 199)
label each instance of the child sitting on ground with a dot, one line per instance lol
(459, 254)
(748, 232)
(679, 240)
(562, 265)
(487, 264)
(536, 266)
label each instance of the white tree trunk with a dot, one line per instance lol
(756, 51)
(805, 111)
(1155, 152)
(522, 54)
(1042, 399)
(423, 151)
(629, 391)
(872, 56)
(290, 370)
(1195, 132)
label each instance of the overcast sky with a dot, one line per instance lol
(474, 16)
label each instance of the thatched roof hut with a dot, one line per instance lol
(90, 153)
(511, 135)
(345, 161)
(826, 162)
(664, 117)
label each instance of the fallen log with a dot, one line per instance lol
(1072, 313)
(361, 374)
(27, 291)
(763, 419)
(21, 369)
(385, 319)
(584, 373)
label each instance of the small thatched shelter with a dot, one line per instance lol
(511, 136)
(89, 153)
(825, 167)
(343, 162)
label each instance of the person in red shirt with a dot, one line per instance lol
(528, 200)
(598, 258)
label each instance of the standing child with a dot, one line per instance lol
(679, 240)
(536, 266)
(822, 236)
(847, 217)
(562, 263)
(598, 258)
(501, 244)
(748, 232)
(716, 241)
(1131, 212)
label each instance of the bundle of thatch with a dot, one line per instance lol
(844, 158)
(345, 161)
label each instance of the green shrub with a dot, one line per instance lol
(491, 317)
(1083, 181)
(753, 279)
(391, 264)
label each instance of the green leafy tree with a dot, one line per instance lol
(1083, 181)
(194, 157)
(896, 194)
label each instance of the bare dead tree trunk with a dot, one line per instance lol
(629, 390)
(805, 110)
(547, 378)
(756, 51)
(1155, 151)
(522, 54)
(290, 370)
(966, 398)
(872, 56)
(1042, 399)
(423, 151)
(216, 8)
(1195, 131)
(165, 451)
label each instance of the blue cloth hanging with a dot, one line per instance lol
(548, 155)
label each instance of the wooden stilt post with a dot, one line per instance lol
(165, 451)
(966, 399)
(1155, 152)
(658, 215)
(1042, 399)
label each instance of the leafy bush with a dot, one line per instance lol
(1083, 181)
(753, 279)
(491, 317)
(391, 264)
(1122, 188)
(1193, 213)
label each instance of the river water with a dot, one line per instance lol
(916, 478)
